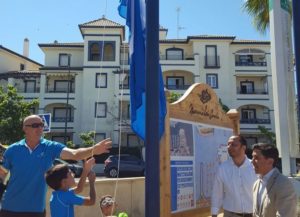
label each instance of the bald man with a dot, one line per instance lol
(27, 161)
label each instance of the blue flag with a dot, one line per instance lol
(134, 11)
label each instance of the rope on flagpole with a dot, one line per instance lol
(121, 100)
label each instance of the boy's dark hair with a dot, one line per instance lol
(268, 151)
(56, 174)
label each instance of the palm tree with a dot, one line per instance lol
(259, 10)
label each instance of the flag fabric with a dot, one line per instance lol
(134, 11)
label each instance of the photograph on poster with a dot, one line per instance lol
(181, 139)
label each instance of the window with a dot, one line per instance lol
(175, 82)
(248, 114)
(211, 58)
(247, 87)
(109, 51)
(99, 137)
(96, 48)
(132, 140)
(94, 52)
(101, 80)
(61, 86)
(22, 67)
(64, 60)
(30, 86)
(174, 54)
(100, 109)
(125, 80)
(59, 114)
(212, 80)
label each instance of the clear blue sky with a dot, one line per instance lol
(46, 21)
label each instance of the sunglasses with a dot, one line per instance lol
(108, 201)
(35, 125)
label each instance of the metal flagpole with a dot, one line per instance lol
(152, 201)
(296, 25)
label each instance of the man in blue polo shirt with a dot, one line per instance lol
(27, 161)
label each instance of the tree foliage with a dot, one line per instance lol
(13, 109)
(173, 97)
(270, 135)
(259, 10)
(88, 139)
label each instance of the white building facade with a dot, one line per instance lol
(85, 85)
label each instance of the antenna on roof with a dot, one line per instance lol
(178, 26)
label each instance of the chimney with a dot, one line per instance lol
(26, 47)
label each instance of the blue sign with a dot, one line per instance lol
(47, 121)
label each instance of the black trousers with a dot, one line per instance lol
(6, 213)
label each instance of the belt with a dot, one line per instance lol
(242, 214)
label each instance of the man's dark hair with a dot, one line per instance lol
(268, 151)
(56, 174)
(242, 140)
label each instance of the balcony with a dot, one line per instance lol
(62, 119)
(211, 61)
(124, 86)
(177, 57)
(60, 90)
(255, 121)
(242, 63)
(255, 91)
(177, 87)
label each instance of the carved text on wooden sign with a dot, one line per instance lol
(204, 112)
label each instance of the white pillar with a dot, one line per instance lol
(283, 82)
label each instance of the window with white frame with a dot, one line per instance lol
(100, 109)
(101, 80)
(212, 80)
(64, 60)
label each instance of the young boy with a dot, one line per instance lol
(64, 196)
(108, 207)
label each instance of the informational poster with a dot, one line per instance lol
(196, 151)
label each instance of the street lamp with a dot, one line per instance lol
(68, 93)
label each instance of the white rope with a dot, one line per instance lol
(121, 103)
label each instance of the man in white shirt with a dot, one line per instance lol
(273, 194)
(234, 181)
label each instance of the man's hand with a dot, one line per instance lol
(88, 164)
(102, 147)
(92, 177)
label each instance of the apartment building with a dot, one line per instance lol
(85, 85)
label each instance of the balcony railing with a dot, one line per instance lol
(255, 91)
(255, 121)
(176, 57)
(36, 90)
(124, 62)
(60, 90)
(211, 61)
(124, 86)
(242, 63)
(178, 87)
(62, 119)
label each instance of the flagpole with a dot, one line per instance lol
(296, 22)
(152, 200)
